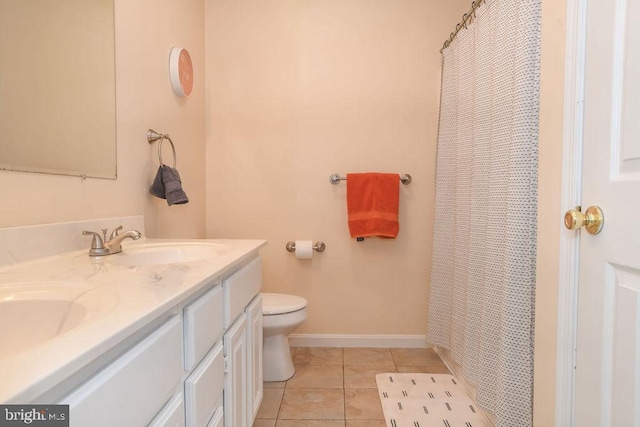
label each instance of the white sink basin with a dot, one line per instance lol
(33, 313)
(166, 253)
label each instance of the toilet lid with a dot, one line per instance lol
(281, 303)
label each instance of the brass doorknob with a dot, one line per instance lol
(593, 219)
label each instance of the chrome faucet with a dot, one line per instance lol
(100, 246)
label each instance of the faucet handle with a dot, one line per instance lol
(114, 233)
(97, 244)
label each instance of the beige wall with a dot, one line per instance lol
(549, 208)
(302, 89)
(145, 32)
(299, 90)
(295, 94)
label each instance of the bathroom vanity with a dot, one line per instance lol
(167, 333)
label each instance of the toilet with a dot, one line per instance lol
(281, 315)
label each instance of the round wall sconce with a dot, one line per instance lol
(181, 71)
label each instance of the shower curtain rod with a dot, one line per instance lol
(467, 17)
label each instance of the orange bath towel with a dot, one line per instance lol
(372, 204)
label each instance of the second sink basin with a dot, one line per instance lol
(166, 253)
(34, 313)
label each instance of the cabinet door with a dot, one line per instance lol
(254, 357)
(235, 379)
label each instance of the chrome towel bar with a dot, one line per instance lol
(335, 178)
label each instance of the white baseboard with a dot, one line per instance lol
(340, 340)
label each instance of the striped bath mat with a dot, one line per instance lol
(427, 400)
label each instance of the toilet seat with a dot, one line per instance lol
(281, 303)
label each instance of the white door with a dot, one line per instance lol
(607, 389)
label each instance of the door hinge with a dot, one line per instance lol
(226, 365)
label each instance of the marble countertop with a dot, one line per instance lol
(126, 300)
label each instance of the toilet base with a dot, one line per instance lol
(276, 359)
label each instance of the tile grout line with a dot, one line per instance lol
(284, 389)
(342, 354)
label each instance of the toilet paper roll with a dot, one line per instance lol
(304, 249)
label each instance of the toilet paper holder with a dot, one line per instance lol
(318, 246)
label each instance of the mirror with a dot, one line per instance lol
(57, 87)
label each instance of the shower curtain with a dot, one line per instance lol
(481, 304)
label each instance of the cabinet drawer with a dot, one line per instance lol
(240, 289)
(148, 374)
(172, 415)
(203, 388)
(203, 326)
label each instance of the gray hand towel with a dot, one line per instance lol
(157, 187)
(173, 191)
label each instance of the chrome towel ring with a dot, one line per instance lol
(153, 136)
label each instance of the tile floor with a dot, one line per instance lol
(336, 387)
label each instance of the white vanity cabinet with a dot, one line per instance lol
(172, 378)
(243, 345)
(202, 367)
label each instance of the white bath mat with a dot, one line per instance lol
(427, 400)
